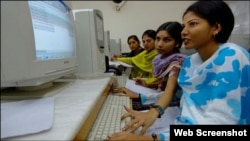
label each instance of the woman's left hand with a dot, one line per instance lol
(129, 93)
(139, 119)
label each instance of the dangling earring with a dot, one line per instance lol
(214, 34)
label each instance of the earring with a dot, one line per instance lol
(215, 33)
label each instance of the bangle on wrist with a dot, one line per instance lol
(159, 109)
(154, 136)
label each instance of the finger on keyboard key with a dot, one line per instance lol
(108, 120)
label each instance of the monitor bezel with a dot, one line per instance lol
(18, 41)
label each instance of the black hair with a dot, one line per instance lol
(215, 12)
(174, 29)
(133, 37)
(150, 33)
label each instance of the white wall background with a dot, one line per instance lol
(137, 16)
(241, 13)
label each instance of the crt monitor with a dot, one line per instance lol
(37, 42)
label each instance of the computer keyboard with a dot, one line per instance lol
(109, 118)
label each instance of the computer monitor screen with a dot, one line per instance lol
(51, 24)
(38, 42)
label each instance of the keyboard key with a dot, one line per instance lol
(108, 120)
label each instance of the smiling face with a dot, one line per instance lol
(148, 43)
(197, 32)
(164, 43)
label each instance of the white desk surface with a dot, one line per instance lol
(72, 106)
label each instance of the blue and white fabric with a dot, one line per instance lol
(216, 91)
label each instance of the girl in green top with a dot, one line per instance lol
(143, 62)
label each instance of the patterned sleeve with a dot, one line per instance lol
(174, 71)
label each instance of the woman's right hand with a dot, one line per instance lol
(140, 81)
(114, 58)
(118, 90)
(126, 92)
(139, 119)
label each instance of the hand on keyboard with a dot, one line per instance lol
(126, 92)
(118, 90)
(120, 94)
(139, 119)
(108, 120)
